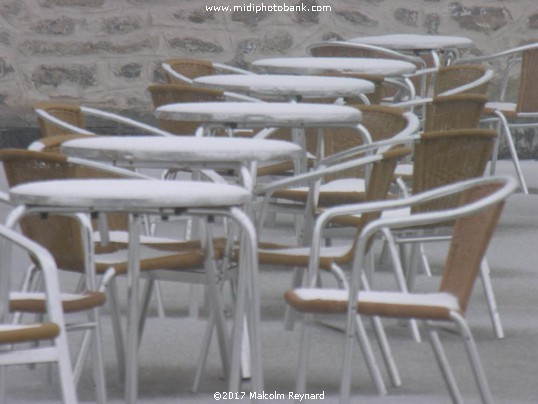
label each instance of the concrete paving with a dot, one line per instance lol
(171, 345)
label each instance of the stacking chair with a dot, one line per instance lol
(523, 113)
(335, 258)
(479, 203)
(379, 123)
(30, 343)
(183, 70)
(160, 257)
(57, 118)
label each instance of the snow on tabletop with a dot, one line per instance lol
(276, 84)
(414, 41)
(181, 148)
(122, 194)
(317, 64)
(261, 114)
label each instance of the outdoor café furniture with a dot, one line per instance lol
(230, 116)
(513, 114)
(44, 340)
(395, 70)
(418, 43)
(288, 87)
(59, 118)
(165, 198)
(475, 218)
(184, 152)
(184, 70)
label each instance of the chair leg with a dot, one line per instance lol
(97, 359)
(513, 152)
(444, 365)
(400, 277)
(306, 332)
(290, 314)
(117, 328)
(383, 342)
(371, 363)
(490, 296)
(65, 372)
(206, 342)
(149, 288)
(472, 353)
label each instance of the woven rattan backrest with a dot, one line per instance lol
(383, 122)
(381, 177)
(450, 77)
(470, 239)
(456, 111)
(163, 94)
(528, 84)
(65, 112)
(445, 157)
(191, 68)
(60, 235)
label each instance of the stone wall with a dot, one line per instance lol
(105, 52)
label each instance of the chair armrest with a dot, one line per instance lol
(231, 69)
(240, 97)
(168, 69)
(67, 126)
(51, 142)
(125, 121)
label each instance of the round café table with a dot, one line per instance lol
(315, 65)
(137, 197)
(290, 87)
(433, 44)
(183, 151)
(257, 115)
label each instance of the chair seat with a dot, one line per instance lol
(404, 171)
(71, 302)
(353, 220)
(434, 306)
(337, 192)
(275, 254)
(507, 108)
(157, 258)
(11, 334)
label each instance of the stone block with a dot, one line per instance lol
(11, 9)
(5, 68)
(306, 18)
(533, 21)
(249, 18)
(406, 16)
(198, 16)
(432, 22)
(123, 24)
(195, 45)
(130, 71)
(70, 3)
(356, 18)
(57, 26)
(37, 47)
(480, 19)
(56, 75)
(279, 42)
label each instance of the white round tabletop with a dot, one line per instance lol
(167, 151)
(315, 65)
(414, 41)
(127, 195)
(262, 114)
(274, 85)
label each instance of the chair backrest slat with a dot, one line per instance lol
(528, 84)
